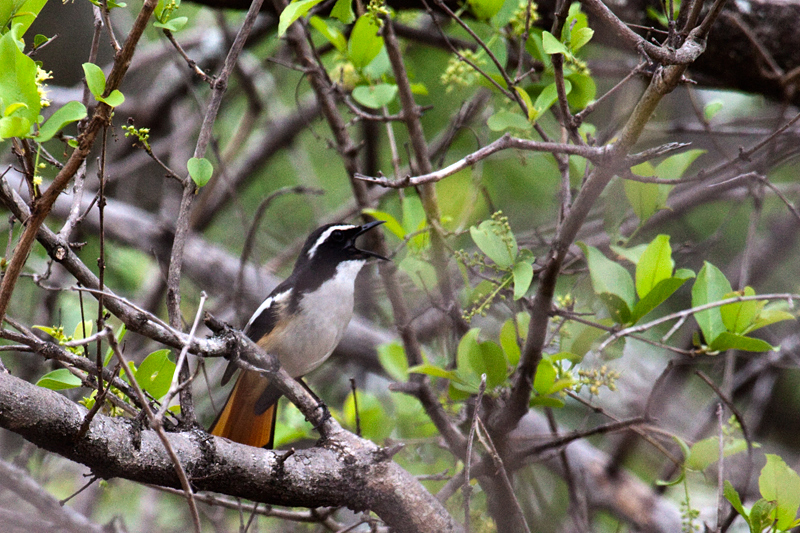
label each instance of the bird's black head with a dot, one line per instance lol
(335, 243)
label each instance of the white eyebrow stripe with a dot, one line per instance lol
(324, 236)
(266, 304)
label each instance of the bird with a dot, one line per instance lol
(301, 322)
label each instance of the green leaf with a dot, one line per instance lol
(60, 379)
(371, 415)
(548, 97)
(343, 10)
(391, 222)
(580, 37)
(632, 254)
(420, 271)
(200, 169)
(710, 286)
(155, 373)
(769, 316)
(174, 25)
(500, 248)
(25, 14)
(493, 364)
(523, 275)
(17, 86)
(503, 120)
(508, 337)
(645, 198)
(468, 353)
(674, 166)
(545, 377)
(375, 96)
(583, 90)
(95, 79)
(654, 265)
(67, 114)
(83, 330)
(114, 99)
(761, 516)
(485, 9)
(705, 452)
(528, 102)
(551, 45)
(14, 127)
(731, 341)
(435, 371)
(546, 401)
(738, 316)
(780, 484)
(657, 295)
(392, 357)
(333, 35)
(733, 497)
(365, 42)
(123, 329)
(712, 108)
(609, 277)
(292, 12)
(619, 309)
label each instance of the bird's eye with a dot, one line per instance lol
(337, 235)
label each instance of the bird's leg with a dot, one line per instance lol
(326, 414)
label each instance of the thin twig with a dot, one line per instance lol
(789, 297)
(156, 425)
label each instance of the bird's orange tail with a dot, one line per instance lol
(238, 420)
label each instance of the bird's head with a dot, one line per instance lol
(336, 243)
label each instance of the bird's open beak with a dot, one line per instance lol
(365, 228)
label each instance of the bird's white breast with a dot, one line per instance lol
(318, 326)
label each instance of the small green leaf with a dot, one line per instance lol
(674, 166)
(508, 338)
(114, 99)
(710, 286)
(365, 42)
(391, 223)
(419, 88)
(155, 373)
(548, 97)
(200, 169)
(552, 45)
(712, 108)
(780, 484)
(609, 277)
(583, 90)
(60, 379)
(731, 341)
(83, 330)
(654, 265)
(375, 96)
(646, 199)
(523, 94)
(420, 271)
(333, 35)
(733, 497)
(485, 9)
(435, 371)
(343, 10)
(95, 79)
(705, 452)
(523, 275)
(580, 37)
(25, 13)
(632, 254)
(292, 12)
(14, 127)
(658, 294)
(392, 357)
(546, 401)
(67, 114)
(738, 316)
(173, 25)
(545, 377)
(769, 316)
(503, 120)
(761, 515)
(502, 249)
